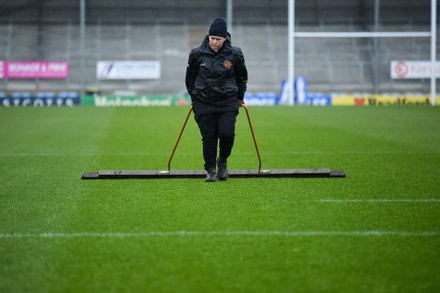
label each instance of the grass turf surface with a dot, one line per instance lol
(377, 230)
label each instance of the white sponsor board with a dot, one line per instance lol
(414, 69)
(128, 70)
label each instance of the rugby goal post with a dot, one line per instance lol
(292, 35)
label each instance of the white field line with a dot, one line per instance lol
(80, 154)
(219, 233)
(337, 152)
(384, 200)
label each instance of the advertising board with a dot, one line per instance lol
(34, 69)
(414, 69)
(128, 70)
(135, 101)
(380, 100)
(39, 99)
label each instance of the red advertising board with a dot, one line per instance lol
(35, 69)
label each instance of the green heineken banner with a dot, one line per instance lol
(135, 101)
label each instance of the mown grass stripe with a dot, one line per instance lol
(241, 152)
(379, 200)
(220, 233)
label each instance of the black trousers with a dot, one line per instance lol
(218, 131)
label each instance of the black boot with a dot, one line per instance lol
(222, 171)
(211, 175)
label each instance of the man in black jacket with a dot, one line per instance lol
(216, 78)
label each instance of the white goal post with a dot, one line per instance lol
(292, 35)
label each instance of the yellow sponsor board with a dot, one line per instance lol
(382, 100)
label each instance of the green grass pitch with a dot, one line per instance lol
(377, 230)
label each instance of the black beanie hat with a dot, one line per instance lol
(218, 28)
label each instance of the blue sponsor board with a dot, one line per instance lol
(301, 95)
(300, 92)
(261, 99)
(300, 89)
(39, 99)
(272, 99)
(317, 99)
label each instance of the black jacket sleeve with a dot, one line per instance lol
(191, 72)
(241, 74)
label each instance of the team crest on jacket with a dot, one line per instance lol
(228, 64)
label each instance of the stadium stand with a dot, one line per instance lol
(167, 30)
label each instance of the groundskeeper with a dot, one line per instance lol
(216, 79)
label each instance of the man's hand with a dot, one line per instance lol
(240, 103)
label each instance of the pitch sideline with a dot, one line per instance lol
(378, 233)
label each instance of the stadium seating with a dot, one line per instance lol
(328, 64)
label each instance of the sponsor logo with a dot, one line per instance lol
(404, 69)
(134, 101)
(36, 102)
(401, 69)
(35, 69)
(128, 70)
(228, 64)
(359, 102)
(380, 100)
(400, 101)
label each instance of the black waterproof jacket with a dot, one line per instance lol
(216, 78)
